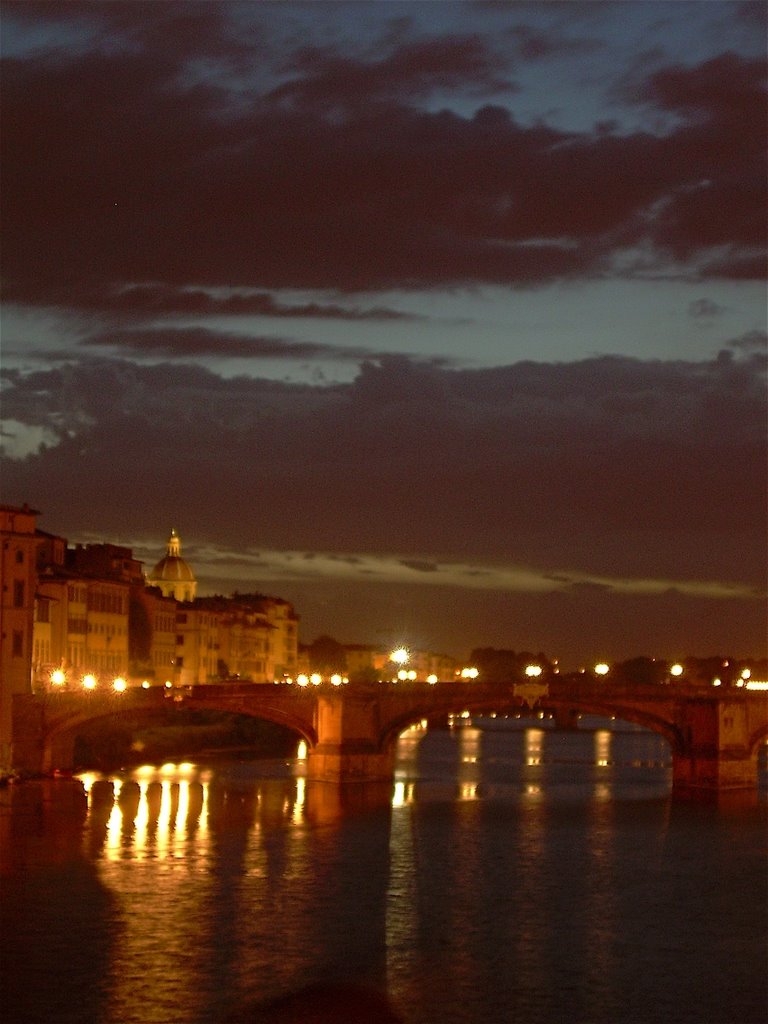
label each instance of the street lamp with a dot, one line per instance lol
(89, 681)
(602, 669)
(400, 657)
(119, 685)
(58, 677)
(532, 671)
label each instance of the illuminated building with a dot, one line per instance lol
(18, 575)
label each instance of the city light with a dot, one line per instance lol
(89, 681)
(676, 669)
(602, 669)
(302, 680)
(336, 679)
(532, 671)
(119, 685)
(145, 685)
(315, 679)
(432, 679)
(469, 673)
(58, 677)
(400, 656)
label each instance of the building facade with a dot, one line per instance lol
(18, 577)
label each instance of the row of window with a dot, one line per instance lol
(84, 626)
(104, 601)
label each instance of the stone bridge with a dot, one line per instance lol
(351, 731)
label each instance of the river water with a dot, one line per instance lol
(512, 875)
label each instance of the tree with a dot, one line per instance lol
(327, 656)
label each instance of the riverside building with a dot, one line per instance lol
(95, 618)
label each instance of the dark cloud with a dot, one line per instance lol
(753, 341)
(704, 309)
(139, 301)
(534, 45)
(716, 161)
(186, 342)
(612, 466)
(322, 78)
(597, 476)
(124, 168)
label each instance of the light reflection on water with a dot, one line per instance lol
(511, 872)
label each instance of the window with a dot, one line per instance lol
(17, 646)
(19, 557)
(179, 639)
(18, 593)
(43, 610)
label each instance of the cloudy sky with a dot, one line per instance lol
(444, 321)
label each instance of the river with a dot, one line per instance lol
(513, 874)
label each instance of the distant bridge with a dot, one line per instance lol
(351, 731)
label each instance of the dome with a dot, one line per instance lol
(172, 574)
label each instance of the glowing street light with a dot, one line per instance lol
(676, 669)
(532, 671)
(602, 669)
(89, 681)
(119, 685)
(400, 656)
(58, 677)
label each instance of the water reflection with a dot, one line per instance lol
(534, 746)
(504, 876)
(470, 751)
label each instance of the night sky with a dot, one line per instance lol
(444, 321)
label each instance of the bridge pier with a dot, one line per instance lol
(715, 754)
(348, 748)
(566, 718)
(704, 769)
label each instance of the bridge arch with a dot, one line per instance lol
(64, 720)
(504, 704)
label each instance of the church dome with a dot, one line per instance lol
(172, 574)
